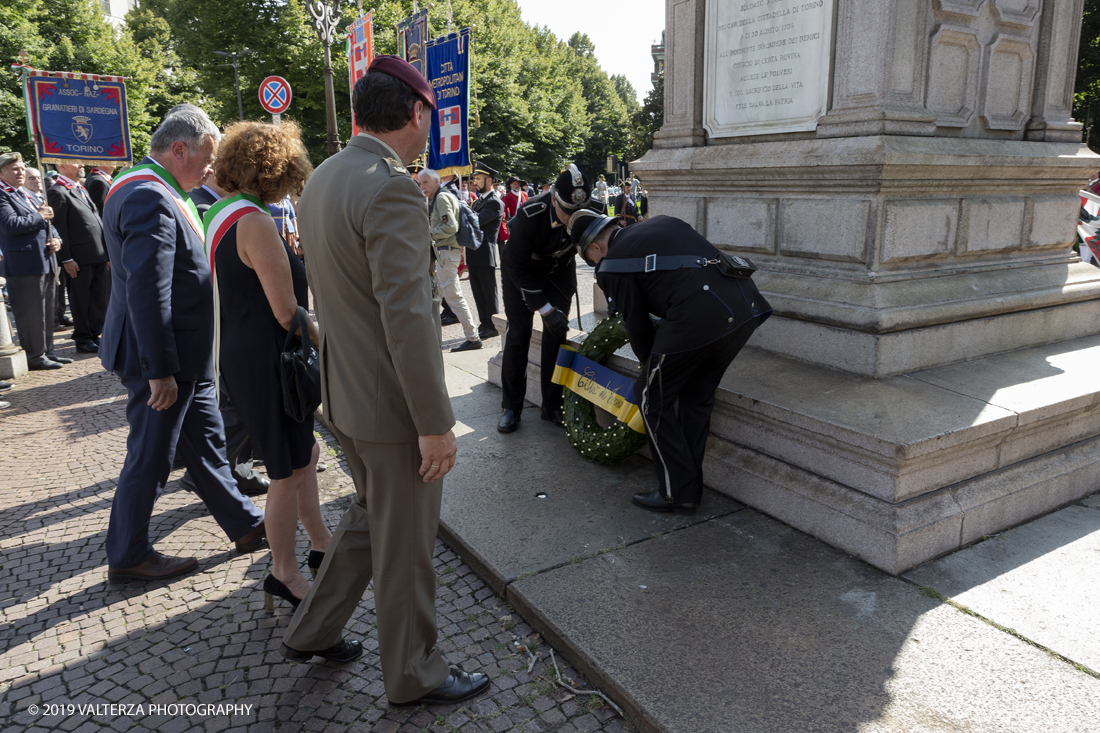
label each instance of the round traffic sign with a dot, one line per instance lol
(275, 94)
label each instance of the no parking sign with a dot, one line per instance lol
(275, 94)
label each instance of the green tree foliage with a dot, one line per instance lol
(72, 35)
(610, 125)
(647, 121)
(1087, 96)
(537, 102)
(284, 44)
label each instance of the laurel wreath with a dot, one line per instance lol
(618, 442)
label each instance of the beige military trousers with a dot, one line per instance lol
(446, 275)
(388, 534)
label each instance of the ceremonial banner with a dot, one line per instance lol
(360, 54)
(449, 74)
(411, 34)
(78, 117)
(599, 385)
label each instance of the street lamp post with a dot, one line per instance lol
(324, 19)
(233, 56)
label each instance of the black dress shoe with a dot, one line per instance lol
(654, 501)
(87, 349)
(554, 416)
(158, 567)
(448, 320)
(487, 333)
(5, 386)
(509, 421)
(253, 540)
(314, 560)
(65, 321)
(458, 686)
(341, 651)
(44, 364)
(59, 359)
(275, 587)
(467, 346)
(255, 486)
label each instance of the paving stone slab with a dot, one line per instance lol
(744, 624)
(491, 508)
(1041, 579)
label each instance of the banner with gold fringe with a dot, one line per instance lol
(599, 385)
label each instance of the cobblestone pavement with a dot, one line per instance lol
(72, 644)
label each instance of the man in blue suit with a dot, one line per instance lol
(158, 337)
(27, 243)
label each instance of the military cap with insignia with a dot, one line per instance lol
(401, 69)
(572, 189)
(486, 171)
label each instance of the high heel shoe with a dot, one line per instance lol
(314, 561)
(274, 587)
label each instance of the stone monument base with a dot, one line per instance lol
(901, 470)
(13, 365)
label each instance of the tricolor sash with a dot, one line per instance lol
(599, 385)
(221, 217)
(157, 174)
(218, 220)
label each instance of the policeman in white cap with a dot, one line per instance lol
(539, 276)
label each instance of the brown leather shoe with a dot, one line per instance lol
(158, 567)
(253, 540)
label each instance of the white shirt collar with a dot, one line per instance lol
(211, 192)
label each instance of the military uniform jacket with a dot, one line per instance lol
(490, 212)
(369, 267)
(539, 254)
(78, 225)
(698, 306)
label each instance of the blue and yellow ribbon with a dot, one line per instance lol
(599, 385)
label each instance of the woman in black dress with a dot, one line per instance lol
(261, 284)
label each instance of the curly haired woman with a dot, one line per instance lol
(261, 285)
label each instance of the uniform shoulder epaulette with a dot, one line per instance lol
(533, 209)
(396, 169)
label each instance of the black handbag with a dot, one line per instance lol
(300, 370)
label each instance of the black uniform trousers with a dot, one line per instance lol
(32, 305)
(676, 396)
(238, 444)
(483, 285)
(517, 342)
(89, 292)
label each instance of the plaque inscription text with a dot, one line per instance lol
(767, 65)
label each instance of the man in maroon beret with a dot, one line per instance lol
(383, 390)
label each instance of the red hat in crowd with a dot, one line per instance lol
(401, 69)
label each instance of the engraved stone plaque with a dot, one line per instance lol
(767, 65)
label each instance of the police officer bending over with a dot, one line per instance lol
(539, 274)
(708, 308)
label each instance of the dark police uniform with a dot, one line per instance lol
(482, 262)
(539, 268)
(706, 318)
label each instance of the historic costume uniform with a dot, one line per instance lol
(665, 268)
(483, 261)
(540, 275)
